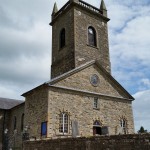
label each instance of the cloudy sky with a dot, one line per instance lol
(25, 48)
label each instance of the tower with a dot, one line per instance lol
(79, 35)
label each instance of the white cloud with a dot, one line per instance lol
(141, 107)
(8, 91)
(146, 82)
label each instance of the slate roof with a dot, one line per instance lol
(6, 103)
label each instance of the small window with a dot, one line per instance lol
(43, 128)
(123, 124)
(91, 36)
(15, 123)
(22, 122)
(95, 105)
(62, 38)
(63, 122)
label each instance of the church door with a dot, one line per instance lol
(97, 130)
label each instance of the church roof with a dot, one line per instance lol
(6, 103)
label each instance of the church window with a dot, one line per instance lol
(95, 105)
(63, 122)
(123, 124)
(62, 38)
(15, 123)
(43, 128)
(91, 36)
(22, 122)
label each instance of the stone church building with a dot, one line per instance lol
(82, 98)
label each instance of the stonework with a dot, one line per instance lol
(36, 108)
(80, 108)
(15, 135)
(7, 123)
(63, 59)
(1, 127)
(121, 142)
(81, 80)
(76, 20)
(84, 52)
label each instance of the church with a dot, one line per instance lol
(82, 98)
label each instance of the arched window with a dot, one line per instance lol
(15, 123)
(22, 122)
(62, 38)
(123, 124)
(63, 122)
(91, 36)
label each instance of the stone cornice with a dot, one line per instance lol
(88, 92)
(69, 5)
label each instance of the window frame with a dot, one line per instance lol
(123, 125)
(92, 38)
(15, 123)
(96, 103)
(62, 38)
(22, 122)
(63, 123)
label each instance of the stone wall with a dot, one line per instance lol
(120, 142)
(4, 123)
(1, 126)
(81, 80)
(15, 135)
(83, 19)
(76, 19)
(36, 107)
(80, 108)
(63, 59)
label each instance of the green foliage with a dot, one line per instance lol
(142, 130)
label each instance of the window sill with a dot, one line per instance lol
(63, 134)
(96, 108)
(60, 49)
(92, 46)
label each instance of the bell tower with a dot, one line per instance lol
(79, 35)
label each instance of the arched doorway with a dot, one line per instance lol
(97, 128)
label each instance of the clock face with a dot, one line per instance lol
(94, 80)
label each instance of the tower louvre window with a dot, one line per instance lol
(15, 123)
(22, 122)
(91, 36)
(62, 38)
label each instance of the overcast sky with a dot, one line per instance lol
(25, 48)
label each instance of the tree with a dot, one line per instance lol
(142, 130)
